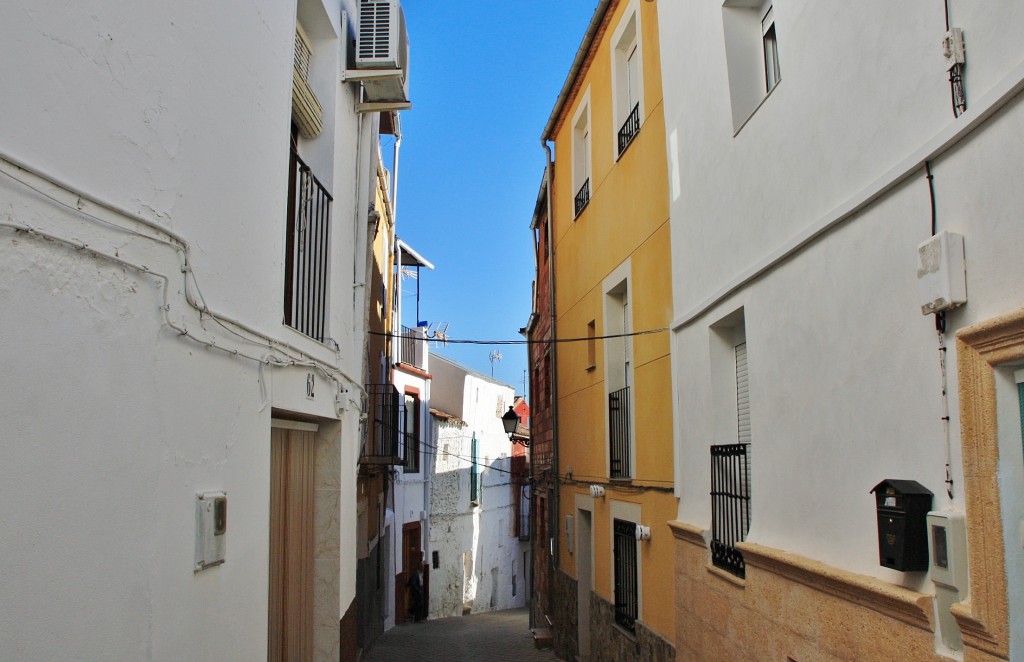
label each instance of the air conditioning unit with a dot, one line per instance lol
(382, 52)
(381, 38)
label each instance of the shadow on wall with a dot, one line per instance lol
(477, 563)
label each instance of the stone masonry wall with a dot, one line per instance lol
(564, 627)
(610, 643)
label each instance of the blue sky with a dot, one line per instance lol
(484, 77)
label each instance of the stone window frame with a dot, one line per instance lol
(981, 349)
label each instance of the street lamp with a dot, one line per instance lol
(510, 421)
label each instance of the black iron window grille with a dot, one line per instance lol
(618, 432)
(626, 600)
(385, 411)
(629, 129)
(582, 197)
(730, 505)
(306, 251)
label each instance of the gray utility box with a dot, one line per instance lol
(902, 507)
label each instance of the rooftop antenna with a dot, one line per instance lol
(494, 356)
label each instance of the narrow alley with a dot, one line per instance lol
(493, 636)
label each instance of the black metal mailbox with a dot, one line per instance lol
(902, 507)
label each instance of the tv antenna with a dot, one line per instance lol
(494, 356)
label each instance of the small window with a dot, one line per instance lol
(751, 55)
(591, 345)
(581, 154)
(772, 74)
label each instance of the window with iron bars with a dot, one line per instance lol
(306, 251)
(626, 579)
(730, 505)
(618, 433)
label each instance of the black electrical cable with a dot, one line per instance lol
(541, 341)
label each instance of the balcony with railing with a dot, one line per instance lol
(629, 129)
(619, 433)
(306, 251)
(730, 505)
(582, 197)
(383, 438)
(412, 347)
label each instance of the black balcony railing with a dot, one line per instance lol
(306, 251)
(582, 197)
(626, 584)
(629, 129)
(383, 437)
(407, 348)
(730, 505)
(618, 432)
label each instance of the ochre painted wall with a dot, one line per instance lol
(625, 220)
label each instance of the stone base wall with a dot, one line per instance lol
(792, 608)
(564, 626)
(610, 643)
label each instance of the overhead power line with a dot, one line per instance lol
(539, 341)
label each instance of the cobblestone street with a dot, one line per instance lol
(494, 636)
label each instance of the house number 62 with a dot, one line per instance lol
(310, 382)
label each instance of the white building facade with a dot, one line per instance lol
(477, 561)
(813, 147)
(182, 337)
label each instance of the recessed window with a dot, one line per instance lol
(751, 55)
(627, 78)
(772, 73)
(591, 345)
(581, 166)
(626, 575)
(411, 431)
(730, 454)
(618, 373)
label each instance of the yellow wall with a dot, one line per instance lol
(626, 219)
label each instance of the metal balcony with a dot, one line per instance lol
(383, 438)
(619, 433)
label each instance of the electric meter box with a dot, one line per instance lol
(947, 541)
(902, 507)
(941, 275)
(211, 529)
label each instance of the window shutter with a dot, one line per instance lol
(742, 396)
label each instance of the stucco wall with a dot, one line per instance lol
(480, 560)
(845, 379)
(180, 115)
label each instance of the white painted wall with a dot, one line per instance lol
(844, 370)
(178, 114)
(478, 553)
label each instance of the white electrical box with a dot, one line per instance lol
(953, 48)
(941, 274)
(211, 529)
(947, 546)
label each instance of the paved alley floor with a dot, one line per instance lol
(496, 636)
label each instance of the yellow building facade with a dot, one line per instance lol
(609, 200)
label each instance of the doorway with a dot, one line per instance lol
(290, 626)
(409, 605)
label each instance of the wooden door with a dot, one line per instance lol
(412, 558)
(290, 634)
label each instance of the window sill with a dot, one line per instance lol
(726, 575)
(753, 112)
